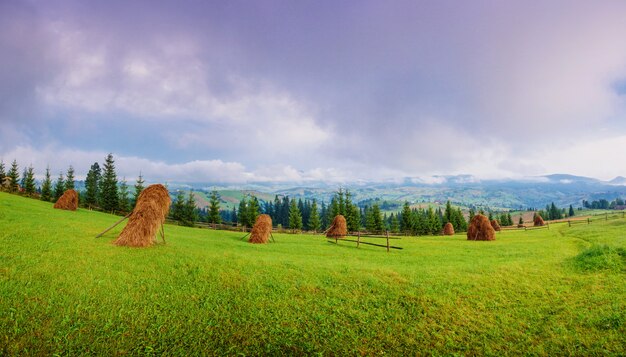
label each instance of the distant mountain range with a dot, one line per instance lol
(462, 190)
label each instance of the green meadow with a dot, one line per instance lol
(560, 291)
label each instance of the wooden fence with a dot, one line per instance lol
(360, 235)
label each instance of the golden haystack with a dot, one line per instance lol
(152, 207)
(448, 229)
(338, 228)
(480, 229)
(539, 221)
(68, 201)
(495, 225)
(262, 229)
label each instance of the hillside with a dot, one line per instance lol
(552, 292)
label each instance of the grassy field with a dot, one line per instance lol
(547, 292)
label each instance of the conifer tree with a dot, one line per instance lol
(69, 179)
(214, 208)
(324, 216)
(233, 215)
(434, 225)
(394, 225)
(406, 223)
(378, 218)
(92, 185)
(521, 220)
(23, 179)
(138, 188)
(447, 216)
(189, 211)
(314, 219)
(123, 199)
(254, 209)
(59, 187)
(108, 186)
(295, 217)
(571, 211)
(14, 175)
(2, 172)
(46, 186)
(29, 181)
(351, 213)
(242, 217)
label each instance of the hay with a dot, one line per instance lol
(480, 229)
(262, 229)
(495, 225)
(68, 201)
(152, 207)
(448, 229)
(538, 222)
(338, 228)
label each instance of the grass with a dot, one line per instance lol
(208, 292)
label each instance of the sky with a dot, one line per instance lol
(296, 91)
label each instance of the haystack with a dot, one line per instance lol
(539, 221)
(261, 230)
(68, 201)
(480, 229)
(338, 228)
(448, 229)
(152, 207)
(495, 225)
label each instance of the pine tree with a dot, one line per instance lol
(351, 213)
(214, 208)
(314, 219)
(46, 186)
(23, 179)
(138, 188)
(69, 179)
(59, 187)
(233, 215)
(189, 211)
(2, 172)
(324, 216)
(521, 220)
(108, 186)
(434, 224)
(14, 175)
(254, 209)
(243, 213)
(178, 208)
(406, 225)
(378, 218)
(295, 217)
(571, 211)
(395, 225)
(29, 181)
(92, 185)
(447, 216)
(123, 199)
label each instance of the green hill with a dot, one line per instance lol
(550, 292)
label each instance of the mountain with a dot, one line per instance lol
(619, 180)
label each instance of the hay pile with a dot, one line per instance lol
(495, 225)
(480, 229)
(448, 229)
(539, 221)
(338, 228)
(262, 229)
(152, 207)
(68, 201)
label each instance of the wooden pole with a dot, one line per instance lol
(358, 239)
(163, 233)
(569, 223)
(113, 226)
(272, 236)
(588, 220)
(387, 241)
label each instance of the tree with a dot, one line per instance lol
(189, 212)
(377, 218)
(138, 188)
(92, 183)
(29, 181)
(571, 211)
(314, 219)
(351, 212)
(214, 208)
(242, 217)
(178, 208)
(521, 220)
(14, 175)
(46, 186)
(2, 172)
(123, 199)
(295, 217)
(109, 199)
(254, 209)
(394, 225)
(59, 187)
(447, 216)
(406, 225)
(69, 179)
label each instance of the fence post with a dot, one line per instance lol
(358, 239)
(606, 216)
(588, 220)
(387, 241)
(569, 223)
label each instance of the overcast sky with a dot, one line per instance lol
(241, 91)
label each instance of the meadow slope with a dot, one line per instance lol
(557, 291)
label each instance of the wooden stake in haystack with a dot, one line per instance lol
(152, 207)
(538, 221)
(495, 225)
(262, 230)
(448, 229)
(68, 201)
(338, 228)
(480, 229)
